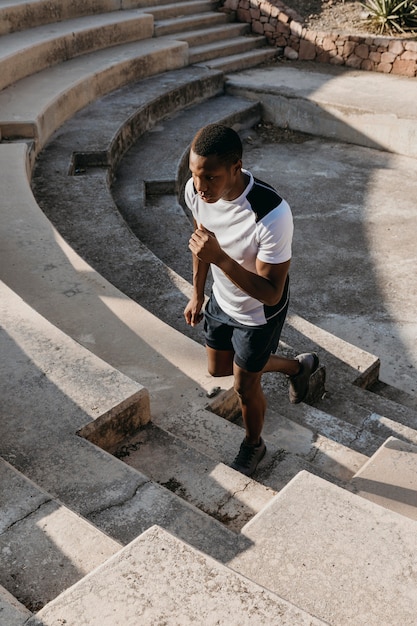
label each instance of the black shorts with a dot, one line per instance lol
(252, 345)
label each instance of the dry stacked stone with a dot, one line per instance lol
(283, 28)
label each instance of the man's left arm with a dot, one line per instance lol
(266, 285)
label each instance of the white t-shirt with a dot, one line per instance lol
(257, 224)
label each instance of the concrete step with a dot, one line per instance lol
(110, 125)
(326, 446)
(213, 487)
(291, 444)
(334, 554)
(54, 388)
(325, 417)
(243, 61)
(369, 418)
(347, 413)
(330, 451)
(32, 50)
(50, 416)
(45, 547)
(179, 25)
(159, 579)
(290, 447)
(21, 15)
(37, 105)
(202, 35)
(349, 366)
(170, 10)
(12, 612)
(388, 409)
(352, 106)
(394, 394)
(389, 478)
(238, 45)
(354, 416)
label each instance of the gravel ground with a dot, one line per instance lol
(336, 15)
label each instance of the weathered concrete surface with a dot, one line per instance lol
(12, 612)
(51, 387)
(389, 478)
(21, 14)
(44, 546)
(335, 554)
(354, 106)
(37, 105)
(30, 51)
(160, 580)
(212, 487)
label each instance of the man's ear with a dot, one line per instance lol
(237, 166)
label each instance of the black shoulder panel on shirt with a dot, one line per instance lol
(263, 199)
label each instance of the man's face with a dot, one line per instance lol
(214, 180)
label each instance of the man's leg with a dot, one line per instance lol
(219, 362)
(276, 363)
(252, 400)
(248, 386)
(253, 404)
(299, 371)
(249, 389)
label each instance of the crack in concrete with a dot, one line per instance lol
(27, 515)
(126, 498)
(361, 429)
(312, 455)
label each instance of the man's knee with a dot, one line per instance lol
(246, 384)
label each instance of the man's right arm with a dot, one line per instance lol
(193, 311)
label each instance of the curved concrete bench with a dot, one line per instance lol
(37, 105)
(21, 14)
(25, 53)
(50, 71)
(100, 134)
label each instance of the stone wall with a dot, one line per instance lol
(282, 27)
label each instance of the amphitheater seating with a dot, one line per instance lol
(117, 503)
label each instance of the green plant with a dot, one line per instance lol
(392, 15)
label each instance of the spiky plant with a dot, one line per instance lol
(391, 16)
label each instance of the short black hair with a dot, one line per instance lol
(221, 141)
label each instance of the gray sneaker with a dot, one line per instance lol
(248, 457)
(299, 383)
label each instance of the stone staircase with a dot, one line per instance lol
(117, 504)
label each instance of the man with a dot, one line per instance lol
(243, 232)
